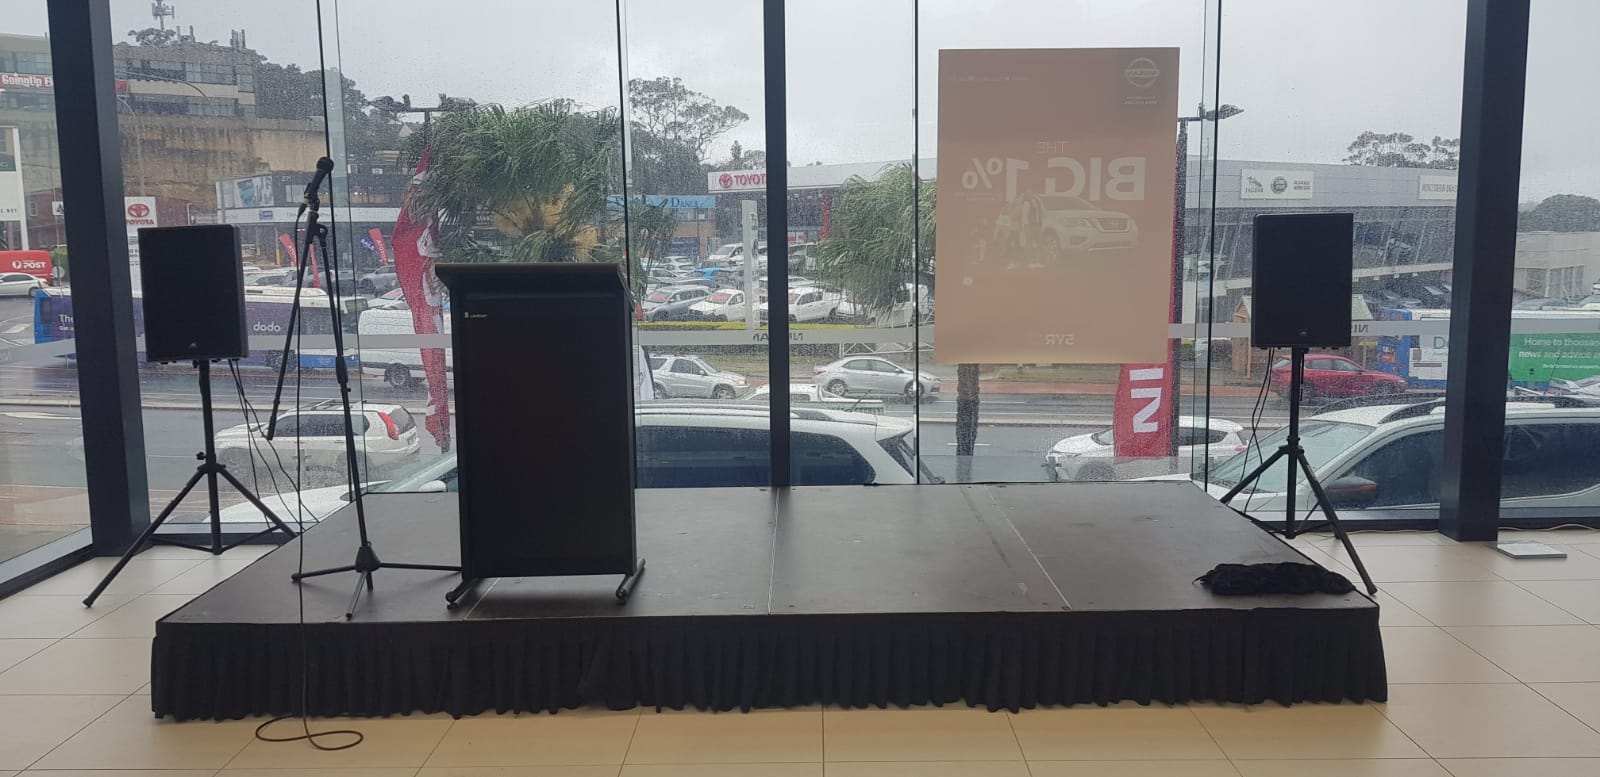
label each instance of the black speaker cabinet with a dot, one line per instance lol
(193, 288)
(544, 418)
(1301, 280)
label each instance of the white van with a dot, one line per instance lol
(400, 367)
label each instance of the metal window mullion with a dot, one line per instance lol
(775, 75)
(102, 289)
(1493, 85)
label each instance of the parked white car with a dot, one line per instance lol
(802, 394)
(721, 305)
(399, 367)
(691, 376)
(1092, 456)
(19, 284)
(1392, 456)
(808, 304)
(686, 446)
(386, 439)
(900, 313)
(873, 375)
(670, 303)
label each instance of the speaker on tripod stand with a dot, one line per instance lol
(1301, 291)
(192, 280)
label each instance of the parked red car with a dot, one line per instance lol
(1330, 375)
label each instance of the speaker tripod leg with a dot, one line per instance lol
(453, 598)
(1333, 520)
(625, 588)
(144, 537)
(1245, 481)
(255, 500)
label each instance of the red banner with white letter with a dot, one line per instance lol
(415, 250)
(377, 243)
(1141, 415)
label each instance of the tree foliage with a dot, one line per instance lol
(674, 113)
(1563, 213)
(153, 36)
(287, 92)
(872, 247)
(525, 184)
(1397, 149)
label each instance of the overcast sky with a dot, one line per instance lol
(1309, 74)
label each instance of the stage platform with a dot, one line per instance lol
(1005, 597)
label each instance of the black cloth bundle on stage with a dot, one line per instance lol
(1279, 578)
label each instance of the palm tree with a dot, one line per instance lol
(527, 184)
(873, 252)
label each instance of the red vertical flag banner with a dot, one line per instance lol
(377, 242)
(416, 241)
(1141, 413)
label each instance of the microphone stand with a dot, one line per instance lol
(366, 560)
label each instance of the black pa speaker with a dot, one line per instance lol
(193, 289)
(544, 418)
(1301, 280)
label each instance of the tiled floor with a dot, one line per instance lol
(1494, 665)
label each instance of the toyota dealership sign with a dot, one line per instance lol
(736, 181)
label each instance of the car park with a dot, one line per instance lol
(809, 304)
(1332, 376)
(721, 305)
(671, 303)
(1093, 456)
(691, 376)
(873, 376)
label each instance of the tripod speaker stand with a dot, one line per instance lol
(1297, 465)
(209, 470)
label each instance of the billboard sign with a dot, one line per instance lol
(736, 181)
(1436, 187)
(1056, 187)
(1256, 184)
(140, 212)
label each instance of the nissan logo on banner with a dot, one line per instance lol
(736, 181)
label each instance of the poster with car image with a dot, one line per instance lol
(1055, 205)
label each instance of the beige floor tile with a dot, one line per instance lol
(124, 773)
(29, 616)
(13, 651)
(1432, 655)
(129, 737)
(1378, 539)
(760, 736)
(134, 619)
(1538, 654)
(1391, 613)
(387, 742)
(138, 577)
(739, 770)
(508, 771)
(921, 733)
(1580, 699)
(35, 724)
(1578, 565)
(1419, 563)
(1316, 731)
(1112, 733)
(1579, 597)
(1126, 769)
(1375, 767)
(252, 551)
(205, 574)
(82, 666)
(569, 737)
(1479, 603)
(1524, 767)
(1487, 721)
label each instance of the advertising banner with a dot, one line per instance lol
(1140, 414)
(416, 248)
(11, 191)
(1436, 187)
(1055, 193)
(139, 212)
(736, 180)
(1275, 184)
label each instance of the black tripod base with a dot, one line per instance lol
(366, 563)
(623, 593)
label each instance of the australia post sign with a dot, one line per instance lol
(1056, 184)
(736, 181)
